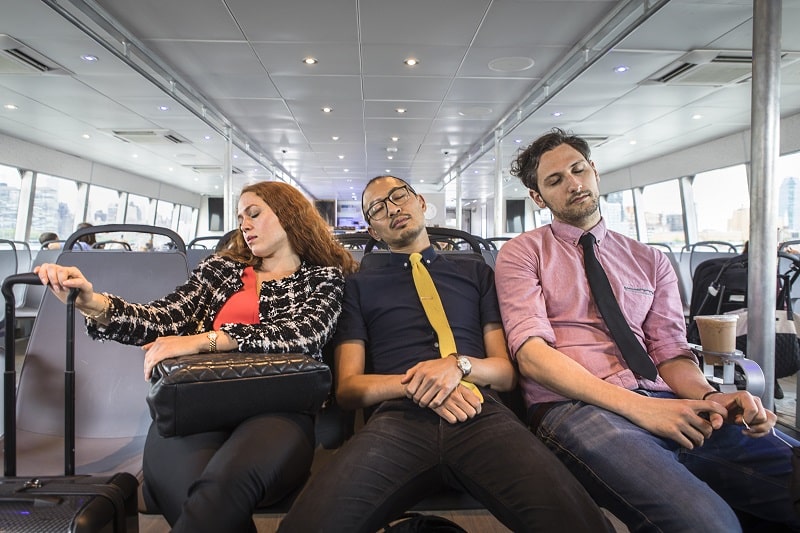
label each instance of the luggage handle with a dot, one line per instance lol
(10, 378)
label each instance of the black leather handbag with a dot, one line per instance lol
(217, 391)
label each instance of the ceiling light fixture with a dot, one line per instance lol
(389, 157)
(557, 113)
(310, 60)
(411, 62)
(327, 109)
(11, 107)
(163, 108)
(401, 110)
(335, 137)
(89, 58)
(86, 136)
(340, 156)
(395, 138)
(621, 68)
(697, 116)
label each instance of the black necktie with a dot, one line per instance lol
(637, 359)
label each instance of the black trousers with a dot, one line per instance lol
(214, 481)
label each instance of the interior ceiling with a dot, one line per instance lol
(480, 64)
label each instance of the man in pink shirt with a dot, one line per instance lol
(666, 452)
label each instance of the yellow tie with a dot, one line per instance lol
(434, 310)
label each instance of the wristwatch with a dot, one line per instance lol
(464, 365)
(212, 341)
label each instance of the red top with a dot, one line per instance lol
(242, 307)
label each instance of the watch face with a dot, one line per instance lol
(464, 365)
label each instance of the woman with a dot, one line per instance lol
(276, 287)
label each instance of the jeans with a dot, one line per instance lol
(405, 453)
(653, 484)
(214, 481)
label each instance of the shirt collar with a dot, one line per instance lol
(428, 255)
(571, 234)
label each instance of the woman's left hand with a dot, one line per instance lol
(172, 346)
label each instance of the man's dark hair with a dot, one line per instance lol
(373, 180)
(526, 164)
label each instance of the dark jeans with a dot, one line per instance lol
(213, 481)
(654, 485)
(405, 453)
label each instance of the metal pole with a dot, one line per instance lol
(499, 201)
(229, 215)
(765, 119)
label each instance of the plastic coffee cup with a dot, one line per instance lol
(717, 332)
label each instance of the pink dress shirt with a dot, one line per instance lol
(543, 292)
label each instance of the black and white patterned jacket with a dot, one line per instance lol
(298, 313)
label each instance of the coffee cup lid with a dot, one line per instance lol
(718, 318)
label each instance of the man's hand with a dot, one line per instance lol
(687, 422)
(746, 410)
(430, 383)
(461, 405)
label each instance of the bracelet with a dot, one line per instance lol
(100, 313)
(709, 393)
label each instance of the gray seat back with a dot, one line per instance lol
(111, 414)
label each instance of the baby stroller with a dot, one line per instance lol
(720, 286)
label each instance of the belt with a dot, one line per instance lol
(537, 411)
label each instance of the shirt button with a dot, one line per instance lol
(435, 344)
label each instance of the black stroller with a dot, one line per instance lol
(720, 286)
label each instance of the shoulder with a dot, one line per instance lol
(218, 266)
(322, 273)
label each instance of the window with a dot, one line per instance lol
(515, 216)
(104, 205)
(542, 217)
(164, 214)
(10, 182)
(187, 223)
(140, 211)
(722, 205)
(618, 212)
(663, 214)
(788, 179)
(55, 206)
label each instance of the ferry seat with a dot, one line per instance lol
(112, 417)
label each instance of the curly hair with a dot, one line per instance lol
(307, 232)
(526, 164)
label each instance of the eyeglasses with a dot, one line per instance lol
(380, 208)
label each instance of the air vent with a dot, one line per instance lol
(212, 169)
(595, 140)
(163, 137)
(17, 58)
(713, 68)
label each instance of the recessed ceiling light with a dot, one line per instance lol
(475, 111)
(557, 113)
(310, 60)
(395, 138)
(163, 108)
(389, 157)
(236, 156)
(207, 137)
(422, 181)
(697, 116)
(11, 107)
(401, 110)
(388, 170)
(510, 64)
(347, 170)
(340, 156)
(89, 58)
(335, 137)
(86, 136)
(392, 149)
(517, 141)
(134, 156)
(411, 62)
(632, 141)
(327, 109)
(621, 68)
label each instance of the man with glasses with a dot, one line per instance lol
(436, 419)
(623, 402)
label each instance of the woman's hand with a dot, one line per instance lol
(61, 279)
(172, 346)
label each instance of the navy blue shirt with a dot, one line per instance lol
(381, 307)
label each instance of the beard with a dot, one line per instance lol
(576, 214)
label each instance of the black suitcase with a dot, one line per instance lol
(68, 503)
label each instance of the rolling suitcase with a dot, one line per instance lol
(68, 503)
